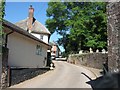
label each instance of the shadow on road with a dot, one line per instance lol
(106, 81)
(86, 76)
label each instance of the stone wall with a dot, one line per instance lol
(113, 11)
(0, 68)
(20, 75)
(94, 60)
(4, 76)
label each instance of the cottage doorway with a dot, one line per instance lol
(48, 58)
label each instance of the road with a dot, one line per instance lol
(65, 75)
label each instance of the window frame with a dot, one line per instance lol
(41, 37)
(38, 50)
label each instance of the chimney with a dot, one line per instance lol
(30, 18)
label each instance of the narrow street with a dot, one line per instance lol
(64, 75)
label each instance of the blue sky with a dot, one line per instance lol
(16, 11)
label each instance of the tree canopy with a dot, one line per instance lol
(2, 13)
(81, 24)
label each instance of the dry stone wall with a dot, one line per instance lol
(20, 75)
(94, 60)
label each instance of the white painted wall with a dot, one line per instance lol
(36, 35)
(22, 52)
(45, 37)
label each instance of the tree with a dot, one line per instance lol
(85, 22)
(2, 13)
(2, 9)
(97, 38)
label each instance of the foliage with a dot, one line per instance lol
(81, 24)
(2, 12)
(2, 9)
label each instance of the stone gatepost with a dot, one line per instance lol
(113, 12)
(0, 68)
(4, 75)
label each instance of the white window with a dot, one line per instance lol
(41, 37)
(38, 50)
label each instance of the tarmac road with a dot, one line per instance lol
(65, 75)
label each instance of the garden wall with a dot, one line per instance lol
(94, 60)
(19, 75)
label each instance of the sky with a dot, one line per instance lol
(17, 11)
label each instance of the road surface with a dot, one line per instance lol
(65, 75)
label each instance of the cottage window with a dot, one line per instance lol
(41, 37)
(39, 50)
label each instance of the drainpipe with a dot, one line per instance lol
(6, 38)
(8, 68)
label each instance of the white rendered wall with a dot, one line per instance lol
(22, 52)
(36, 35)
(45, 37)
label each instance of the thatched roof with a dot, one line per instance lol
(37, 26)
